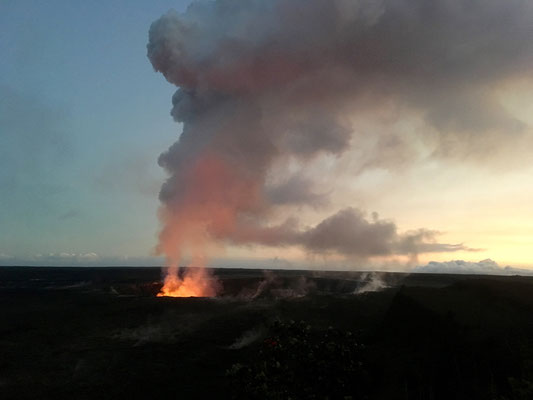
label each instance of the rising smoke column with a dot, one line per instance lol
(267, 80)
(210, 186)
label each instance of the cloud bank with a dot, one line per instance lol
(484, 267)
(72, 259)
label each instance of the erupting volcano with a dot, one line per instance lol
(212, 195)
(272, 93)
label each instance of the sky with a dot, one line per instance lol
(84, 118)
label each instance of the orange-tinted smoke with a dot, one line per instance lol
(213, 195)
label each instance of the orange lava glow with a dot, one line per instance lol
(195, 282)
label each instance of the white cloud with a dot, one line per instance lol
(65, 257)
(483, 267)
(84, 259)
(4, 257)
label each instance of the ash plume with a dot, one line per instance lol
(267, 82)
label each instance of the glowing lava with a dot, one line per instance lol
(207, 198)
(195, 282)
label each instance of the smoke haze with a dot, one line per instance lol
(264, 84)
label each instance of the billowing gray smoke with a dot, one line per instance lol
(268, 82)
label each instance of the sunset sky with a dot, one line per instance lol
(440, 139)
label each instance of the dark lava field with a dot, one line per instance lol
(101, 333)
